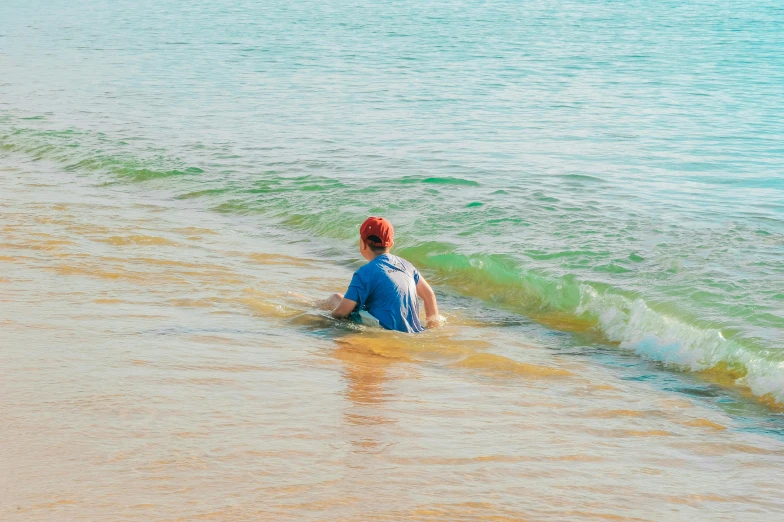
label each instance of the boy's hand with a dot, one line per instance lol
(330, 303)
(435, 322)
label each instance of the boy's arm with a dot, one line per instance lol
(342, 306)
(344, 309)
(431, 305)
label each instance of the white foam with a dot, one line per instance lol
(635, 326)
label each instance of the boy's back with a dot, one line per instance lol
(387, 288)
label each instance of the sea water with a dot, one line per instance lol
(594, 189)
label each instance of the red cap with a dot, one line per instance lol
(379, 227)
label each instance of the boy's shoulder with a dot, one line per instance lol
(406, 263)
(386, 263)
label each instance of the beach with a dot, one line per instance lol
(595, 193)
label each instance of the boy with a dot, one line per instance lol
(388, 286)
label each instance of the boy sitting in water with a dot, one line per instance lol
(388, 286)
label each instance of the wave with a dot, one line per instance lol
(623, 319)
(652, 330)
(445, 180)
(85, 152)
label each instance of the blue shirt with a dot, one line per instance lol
(386, 287)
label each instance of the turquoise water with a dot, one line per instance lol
(611, 166)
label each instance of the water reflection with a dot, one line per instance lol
(366, 377)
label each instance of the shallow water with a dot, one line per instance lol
(595, 190)
(156, 368)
